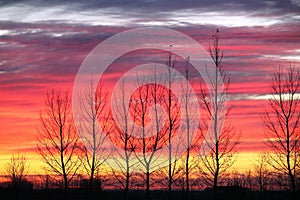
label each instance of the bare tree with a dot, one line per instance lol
(154, 137)
(92, 107)
(190, 162)
(187, 118)
(57, 138)
(173, 116)
(282, 123)
(221, 139)
(17, 169)
(261, 172)
(123, 164)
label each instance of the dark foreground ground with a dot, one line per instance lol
(154, 195)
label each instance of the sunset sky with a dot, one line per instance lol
(42, 45)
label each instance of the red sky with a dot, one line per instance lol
(43, 49)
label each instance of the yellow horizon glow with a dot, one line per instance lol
(243, 163)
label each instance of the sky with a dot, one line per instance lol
(42, 45)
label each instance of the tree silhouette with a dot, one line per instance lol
(17, 168)
(262, 174)
(123, 163)
(57, 137)
(92, 107)
(189, 160)
(282, 123)
(173, 116)
(147, 96)
(221, 139)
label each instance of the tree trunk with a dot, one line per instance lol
(65, 187)
(127, 182)
(260, 183)
(170, 170)
(187, 171)
(147, 183)
(91, 183)
(293, 183)
(216, 175)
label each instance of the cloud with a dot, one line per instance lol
(166, 5)
(153, 13)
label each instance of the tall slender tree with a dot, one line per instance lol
(124, 162)
(92, 107)
(222, 138)
(282, 123)
(173, 116)
(153, 137)
(188, 159)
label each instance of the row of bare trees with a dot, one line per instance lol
(138, 147)
(259, 177)
(63, 152)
